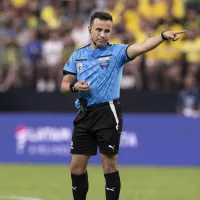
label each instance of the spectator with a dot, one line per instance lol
(10, 59)
(189, 98)
(32, 59)
(163, 69)
(115, 8)
(52, 51)
(79, 32)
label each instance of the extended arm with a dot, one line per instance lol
(135, 50)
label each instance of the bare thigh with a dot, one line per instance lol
(79, 164)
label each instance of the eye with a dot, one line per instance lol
(99, 30)
(107, 31)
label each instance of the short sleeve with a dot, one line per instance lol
(70, 66)
(121, 51)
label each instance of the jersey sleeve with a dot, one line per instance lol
(70, 66)
(121, 53)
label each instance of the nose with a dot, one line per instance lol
(102, 34)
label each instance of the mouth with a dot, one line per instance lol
(102, 41)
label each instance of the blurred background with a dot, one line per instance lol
(160, 94)
(38, 37)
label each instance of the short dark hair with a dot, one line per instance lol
(102, 16)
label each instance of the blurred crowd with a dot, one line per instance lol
(37, 37)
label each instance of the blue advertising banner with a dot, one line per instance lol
(145, 140)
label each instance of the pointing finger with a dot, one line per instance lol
(180, 32)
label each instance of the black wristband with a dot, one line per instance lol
(72, 88)
(163, 37)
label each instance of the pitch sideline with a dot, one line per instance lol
(16, 197)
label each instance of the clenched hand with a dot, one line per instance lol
(82, 85)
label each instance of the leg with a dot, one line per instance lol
(83, 145)
(79, 176)
(113, 185)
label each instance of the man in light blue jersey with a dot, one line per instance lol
(95, 71)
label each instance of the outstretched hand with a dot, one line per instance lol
(173, 35)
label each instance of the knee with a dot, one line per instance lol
(110, 168)
(77, 169)
(109, 163)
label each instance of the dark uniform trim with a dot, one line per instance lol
(90, 44)
(127, 53)
(84, 59)
(66, 73)
(105, 55)
(83, 47)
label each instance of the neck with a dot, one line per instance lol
(95, 47)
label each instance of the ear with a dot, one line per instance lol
(89, 29)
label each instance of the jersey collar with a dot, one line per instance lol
(97, 52)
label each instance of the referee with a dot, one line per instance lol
(95, 71)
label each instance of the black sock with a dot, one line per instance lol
(80, 186)
(113, 186)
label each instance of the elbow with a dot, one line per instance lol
(63, 89)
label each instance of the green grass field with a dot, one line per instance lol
(49, 182)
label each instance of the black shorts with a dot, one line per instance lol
(101, 127)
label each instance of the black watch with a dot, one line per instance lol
(72, 88)
(163, 37)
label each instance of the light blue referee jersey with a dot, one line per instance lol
(101, 68)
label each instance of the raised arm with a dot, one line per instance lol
(135, 50)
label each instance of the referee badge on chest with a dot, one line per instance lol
(79, 66)
(104, 62)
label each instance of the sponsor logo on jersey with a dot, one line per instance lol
(79, 67)
(104, 62)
